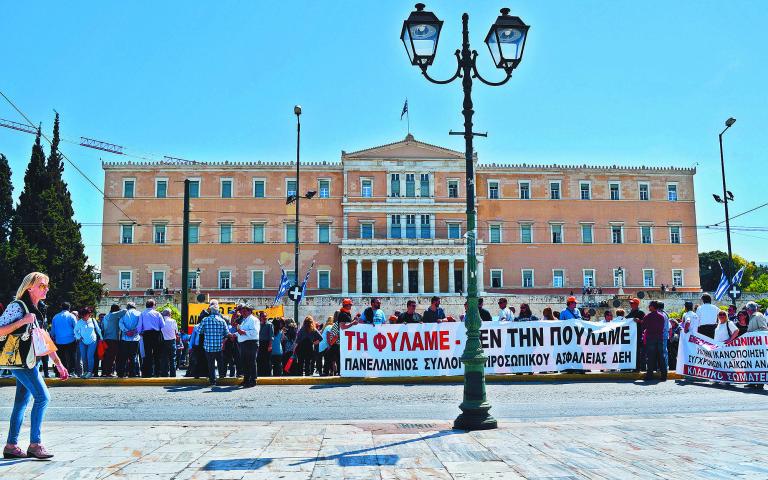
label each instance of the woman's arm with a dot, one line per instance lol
(10, 328)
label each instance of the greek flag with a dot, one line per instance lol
(722, 287)
(282, 289)
(306, 278)
(736, 280)
(405, 109)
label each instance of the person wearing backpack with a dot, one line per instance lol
(87, 334)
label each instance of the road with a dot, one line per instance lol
(390, 402)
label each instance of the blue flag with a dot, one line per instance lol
(722, 287)
(405, 109)
(282, 289)
(736, 280)
(306, 278)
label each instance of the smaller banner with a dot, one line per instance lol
(434, 349)
(741, 360)
(226, 309)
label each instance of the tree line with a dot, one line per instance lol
(755, 279)
(40, 233)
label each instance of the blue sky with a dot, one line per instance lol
(602, 82)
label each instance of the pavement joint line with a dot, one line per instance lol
(286, 381)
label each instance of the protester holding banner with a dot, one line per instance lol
(409, 315)
(655, 341)
(725, 329)
(757, 321)
(374, 315)
(637, 315)
(707, 314)
(433, 313)
(525, 314)
(485, 315)
(570, 312)
(742, 321)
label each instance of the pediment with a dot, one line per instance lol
(410, 149)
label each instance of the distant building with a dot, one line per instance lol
(391, 220)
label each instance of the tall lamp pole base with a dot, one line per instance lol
(475, 408)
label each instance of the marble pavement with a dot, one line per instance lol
(674, 446)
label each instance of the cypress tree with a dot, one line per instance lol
(72, 279)
(6, 217)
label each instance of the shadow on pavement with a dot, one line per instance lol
(185, 388)
(727, 386)
(330, 385)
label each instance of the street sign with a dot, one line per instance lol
(295, 293)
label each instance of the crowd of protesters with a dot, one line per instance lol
(127, 342)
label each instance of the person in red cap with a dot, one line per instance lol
(570, 312)
(637, 315)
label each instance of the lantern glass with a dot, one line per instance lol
(506, 40)
(420, 34)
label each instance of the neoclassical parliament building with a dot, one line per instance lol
(391, 220)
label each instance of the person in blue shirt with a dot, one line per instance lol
(63, 335)
(111, 331)
(570, 312)
(127, 364)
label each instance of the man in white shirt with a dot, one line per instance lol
(506, 314)
(168, 349)
(248, 340)
(690, 319)
(707, 314)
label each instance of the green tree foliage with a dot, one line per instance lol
(709, 269)
(6, 218)
(759, 284)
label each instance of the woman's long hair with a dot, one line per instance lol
(309, 324)
(31, 279)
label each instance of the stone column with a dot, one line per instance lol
(420, 285)
(359, 277)
(451, 280)
(480, 283)
(344, 276)
(374, 276)
(405, 275)
(390, 277)
(436, 275)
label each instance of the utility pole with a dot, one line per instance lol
(297, 111)
(185, 263)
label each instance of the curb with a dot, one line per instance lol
(287, 381)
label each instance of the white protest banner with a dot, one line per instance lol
(433, 349)
(741, 360)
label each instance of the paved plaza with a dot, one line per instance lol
(678, 446)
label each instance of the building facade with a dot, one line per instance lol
(391, 220)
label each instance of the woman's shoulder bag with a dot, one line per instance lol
(16, 350)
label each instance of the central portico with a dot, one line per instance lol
(406, 267)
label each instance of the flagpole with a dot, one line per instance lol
(408, 115)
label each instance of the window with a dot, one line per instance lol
(290, 233)
(525, 190)
(159, 233)
(394, 184)
(257, 233)
(323, 279)
(586, 190)
(454, 230)
(426, 229)
(526, 234)
(324, 233)
(424, 185)
(495, 233)
(324, 187)
(410, 185)
(126, 280)
(410, 226)
(259, 187)
(527, 278)
(672, 192)
(453, 189)
(225, 233)
(677, 278)
(257, 279)
(126, 234)
(192, 281)
(558, 278)
(225, 279)
(554, 190)
(497, 278)
(645, 191)
(128, 188)
(646, 234)
(161, 188)
(615, 188)
(618, 278)
(366, 187)
(648, 280)
(617, 234)
(674, 234)
(194, 189)
(290, 188)
(586, 233)
(158, 280)
(194, 233)
(589, 278)
(366, 230)
(394, 227)
(493, 189)
(557, 234)
(226, 188)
